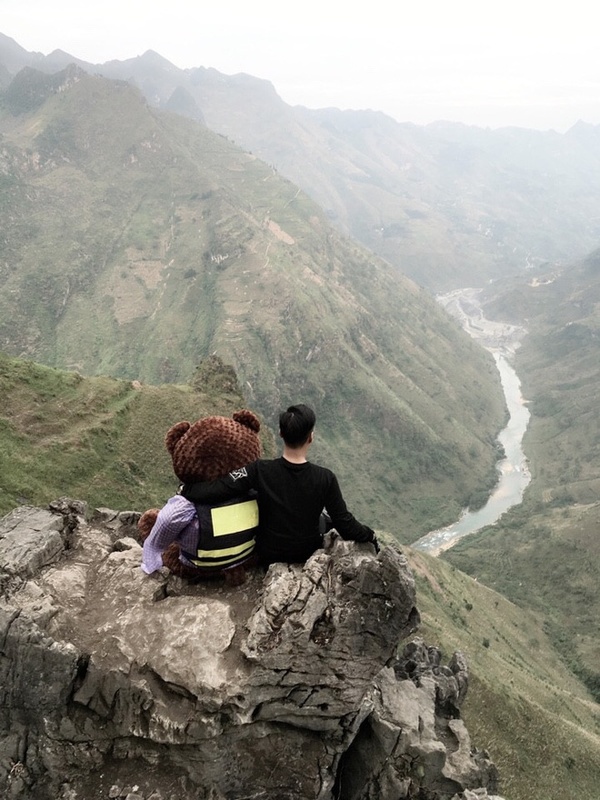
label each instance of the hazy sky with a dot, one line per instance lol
(530, 63)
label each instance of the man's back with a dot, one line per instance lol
(291, 497)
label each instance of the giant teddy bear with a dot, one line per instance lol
(197, 542)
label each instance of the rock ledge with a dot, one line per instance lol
(120, 685)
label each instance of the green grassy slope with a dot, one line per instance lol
(96, 439)
(137, 243)
(524, 706)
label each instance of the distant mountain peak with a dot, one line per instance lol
(58, 53)
(154, 58)
(30, 88)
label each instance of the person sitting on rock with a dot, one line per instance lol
(292, 494)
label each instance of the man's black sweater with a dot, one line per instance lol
(291, 498)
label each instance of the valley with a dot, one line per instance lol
(502, 340)
(544, 553)
(185, 246)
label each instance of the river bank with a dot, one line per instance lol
(502, 340)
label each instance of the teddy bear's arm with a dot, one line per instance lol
(172, 521)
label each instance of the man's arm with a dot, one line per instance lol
(237, 483)
(343, 521)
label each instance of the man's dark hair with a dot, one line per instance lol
(296, 424)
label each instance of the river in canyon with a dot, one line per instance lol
(501, 339)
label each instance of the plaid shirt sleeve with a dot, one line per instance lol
(176, 520)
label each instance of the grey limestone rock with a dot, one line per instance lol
(118, 684)
(413, 743)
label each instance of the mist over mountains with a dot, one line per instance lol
(448, 204)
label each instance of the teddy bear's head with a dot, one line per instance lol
(214, 446)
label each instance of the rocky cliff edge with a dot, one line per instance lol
(115, 684)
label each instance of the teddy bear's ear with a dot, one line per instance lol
(174, 434)
(247, 418)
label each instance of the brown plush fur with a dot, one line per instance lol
(203, 451)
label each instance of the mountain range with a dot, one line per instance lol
(137, 242)
(450, 205)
